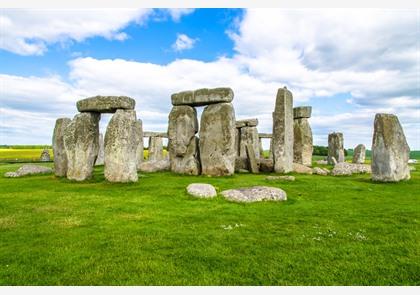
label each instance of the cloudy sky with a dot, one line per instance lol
(347, 64)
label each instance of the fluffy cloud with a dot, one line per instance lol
(183, 42)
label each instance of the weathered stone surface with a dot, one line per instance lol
(302, 112)
(29, 170)
(105, 104)
(241, 163)
(322, 162)
(153, 133)
(155, 148)
(60, 156)
(282, 142)
(390, 151)
(260, 145)
(253, 122)
(122, 138)
(249, 136)
(201, 97)
(183, 143)
(81, 143)
(345, 168)
(155, 166)
(359, 154)
(140, 147)
(299, 168)
(266, 165)
(217, 140)
(253, 163)
(255, 194)
(280, 178)
(320, 171)
(45, 156)
(265, 135)
(201, 190)
(335, 147)
(302, 145)
(101, 151)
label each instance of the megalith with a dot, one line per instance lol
(81, 141)
(45, 156)
(302, 146)
(217, 140)
(282, 142)
(335, 147)
(140, 147)
(121, 143)
(248, 135)
(59, 151)
(182, 140)
(155, 148)
(359, 154)
(390, 151)
(101, 151)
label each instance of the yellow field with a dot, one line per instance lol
(22, 154)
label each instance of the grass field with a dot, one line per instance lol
(330, 231)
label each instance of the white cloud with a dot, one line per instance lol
(183, 42)
(177, 13)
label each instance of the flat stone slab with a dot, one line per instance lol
(201, 97)
(155, 134)
(350, 168)
(255, 194)
(265, 135)
(281, 178)
(29, 170)
(201, 190)
(105, 104)
(302, 112)
(247, 123)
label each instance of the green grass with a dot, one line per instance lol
(330, 231)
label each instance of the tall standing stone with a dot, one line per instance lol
(140, 147)
(359, 154)
(81, 143)
(335, 147)
(182, 142)
(217, 140)
(59, 151)
(155, 148)
(121, 142)
(282, 142)
(302, 146)
(101, 151)
(390, 151)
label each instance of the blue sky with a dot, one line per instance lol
(347, 64)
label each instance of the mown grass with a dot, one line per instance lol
(330, 231)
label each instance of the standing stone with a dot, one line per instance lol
(121, 142)
(182, 142)
(217, 140)
(283, 132)
(359, 154)
(81, 143)
(101, 152)
(249, 136)
(302, 146)
(60, 156)
(390, 151)
(45, 156)
(261, 147)
(140, 147)
(155, 148)
(335, 147)
(252, 159)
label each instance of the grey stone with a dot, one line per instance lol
(217, 140)
(122, 138)
(105, 104)
(345, 168)
(322, 162)
(265, 135)
(302, 169)
(359, 154)
(29, 170)
(183, 143)
(155, 134)
(155, 148)
(335, 147)
(281, 178)
(302, 112)
(249, 136)
(45, 156)
(201, 97)
(60, 155)
(81, 143)
(255, 194)
(390, 151)
(302, 145)
(241, 163)
(320, 171)
(140, 147)
(253, 122)
(201, 190)
(282, 142)
(253, 164)
(266, 165)
(155, 166)
(101, 152)
(261, 148)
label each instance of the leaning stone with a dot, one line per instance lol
(45, 156)
(302, 145)
(105, 104)
(302, 112)
(60, 156)
(390, 151)
(345, 168)
(29, 170)
(335, 147)
(217, 140)
(320, 171)
(155, 166)
(155, 148)
(299, 168)
(101, 151)
(253, 164)
(266, 165)
(81, 143)
(121, 143)
(255, 194)
(201, 190)
(247, 122)
(280, 178)
(249, 136)
(201, 97)
(359, 154)
(282, 142)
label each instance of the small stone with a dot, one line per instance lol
(282, 178)
(105, 104)
(28, 170)
(201, 97)
(201, 190)
(255, 194)
(299, 168)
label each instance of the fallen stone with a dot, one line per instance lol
(155, 166)
(359, 154)
(201, 190)
(201, 97)
(345, 168)
(280, 178)
(302, 112)
(29, 170)
(105, 104)
(302, 169)
(320, 171)
(60, 155)
(255, 194)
